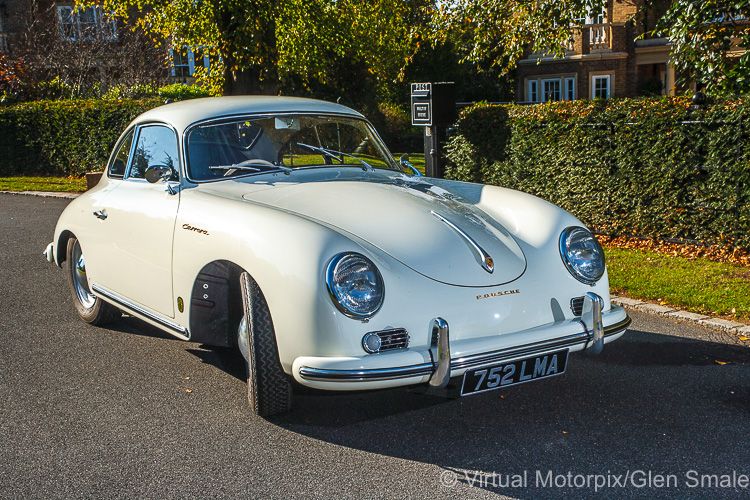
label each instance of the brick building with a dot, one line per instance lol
(605, 60)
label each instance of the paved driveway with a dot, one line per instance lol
(131, 412)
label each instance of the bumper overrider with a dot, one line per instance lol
(587, 333)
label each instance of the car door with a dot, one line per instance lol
(137, 227)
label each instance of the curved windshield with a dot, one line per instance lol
(282, 143)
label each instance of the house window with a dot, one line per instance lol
(600, 87)
(570, 89)
(180, 63)
(533, 94)
(185, 60)
(551, 90)
(89, 23)
(597, 16)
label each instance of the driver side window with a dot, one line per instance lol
(156, 146)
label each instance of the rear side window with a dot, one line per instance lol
(120, 161)
(156, 146)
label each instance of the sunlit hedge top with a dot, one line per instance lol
(653, 167)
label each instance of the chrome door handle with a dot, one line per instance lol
(100, 215)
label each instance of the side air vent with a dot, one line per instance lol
(576, 305)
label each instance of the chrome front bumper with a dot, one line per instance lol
(591, 339)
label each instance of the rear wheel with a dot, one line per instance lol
(89, 307)
(268, 389)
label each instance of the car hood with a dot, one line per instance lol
(426, 227)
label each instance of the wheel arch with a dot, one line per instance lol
(216, 304)
(61, 246)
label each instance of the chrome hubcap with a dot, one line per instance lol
(242, 338)
(80, 282)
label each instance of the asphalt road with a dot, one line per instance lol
(93, 412)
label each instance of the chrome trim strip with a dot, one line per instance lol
(173, 328)
(484, 258)
(309, 373)
(508, 354)
(520, 351)
(617, 328)
(442, 374)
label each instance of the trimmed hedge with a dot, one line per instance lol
(651, 167)
(63, 137)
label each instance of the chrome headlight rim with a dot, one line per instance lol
(572, 269)
(334, 296)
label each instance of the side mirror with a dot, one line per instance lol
(156, 173)
(404, 162)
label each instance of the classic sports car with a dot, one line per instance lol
(284, 227)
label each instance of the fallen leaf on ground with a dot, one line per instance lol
(716, 253)
(190, 390)
(721, 362)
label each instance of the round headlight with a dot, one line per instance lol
(355, 285)
(582, 254)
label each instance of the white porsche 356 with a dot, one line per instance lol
(284, 227)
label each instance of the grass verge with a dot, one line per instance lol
(57, 184)
(698, 285)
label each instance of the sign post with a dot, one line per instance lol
(433, 106)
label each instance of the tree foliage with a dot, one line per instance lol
(710, 41)
(259, 44)
(497, 32)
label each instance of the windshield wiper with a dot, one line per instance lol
(246, 165)
(331, 153)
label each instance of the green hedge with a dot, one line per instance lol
(650, 167)
(63, 137)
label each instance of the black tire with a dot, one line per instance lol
(268, 389)
(90, 308)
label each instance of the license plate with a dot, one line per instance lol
(514, 372)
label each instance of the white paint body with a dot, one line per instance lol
(285, 229)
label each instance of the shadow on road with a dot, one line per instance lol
(650, 402)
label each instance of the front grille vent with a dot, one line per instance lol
(395, 338)
(576, 305)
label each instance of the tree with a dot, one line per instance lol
(710, 41)
(497, 32)
(78, 60)
(259, 44)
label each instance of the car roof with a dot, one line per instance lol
(184, 113)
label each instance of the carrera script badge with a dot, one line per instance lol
(498, 294)
(197, 230)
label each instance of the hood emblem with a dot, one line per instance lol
(483, 257)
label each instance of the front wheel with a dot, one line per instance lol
(268, 389)
(89, 307)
